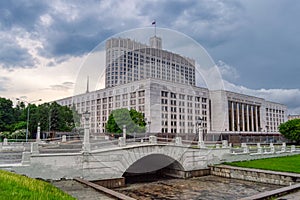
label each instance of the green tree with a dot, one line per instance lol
(6, 114)
(291, 129)
(133, 120)
(51, 116)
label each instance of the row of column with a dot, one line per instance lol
(238, 115)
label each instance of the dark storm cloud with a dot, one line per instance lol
(72, 40)
(17, 17)
(260, 39)
(265, 50)
(21, 13)
(12, 55)
(209, 22)
(76, 28)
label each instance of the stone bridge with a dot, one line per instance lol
(113, 161)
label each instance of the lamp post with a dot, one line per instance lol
(149, 130)
(28, 113)
(86, 138)
(200, 132)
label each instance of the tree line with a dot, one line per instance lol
(51, 116)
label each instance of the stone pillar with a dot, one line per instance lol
(124, 131)
(200, 136)
(122, 142)
(152, 139)
(283, 148)
(247, 117)
(252, 118)
(64, 138)
(178, 141)
(86, 138)
(232, 116)
(224, 144)
(259, 148)
(38, 134)
(245, 148)
(5, 142)
(293, 148)
(26, 158)
(243, 118)
(272, 148)
(238, 116)
(34, 148)
(256, 119)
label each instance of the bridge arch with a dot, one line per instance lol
(153, 162)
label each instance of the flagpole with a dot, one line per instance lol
(154, 23)
(155, 28)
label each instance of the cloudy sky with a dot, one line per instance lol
(255, 43)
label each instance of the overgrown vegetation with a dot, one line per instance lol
(283, 164)
(14, 186)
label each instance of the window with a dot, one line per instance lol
(164, 94)
(173, 95)
(132, 95)
(142, 93)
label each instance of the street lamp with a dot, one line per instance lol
(28, 112)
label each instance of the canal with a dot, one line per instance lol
(204, 188)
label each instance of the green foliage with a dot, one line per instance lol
(284, 164)
(133, 120)
(291, 129)
(51, 116)
(6, 114)
(14, 186)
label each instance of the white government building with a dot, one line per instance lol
(162, 85)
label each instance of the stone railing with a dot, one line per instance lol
(263, 150)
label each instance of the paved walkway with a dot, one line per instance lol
(80, 191)
(292, 196)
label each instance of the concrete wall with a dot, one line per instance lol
(256, 175)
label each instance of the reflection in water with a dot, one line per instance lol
(208, 187)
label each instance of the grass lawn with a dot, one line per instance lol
(283, 164)
(15, 186)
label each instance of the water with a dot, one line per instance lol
(204, 188)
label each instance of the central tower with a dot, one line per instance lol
(128, 61)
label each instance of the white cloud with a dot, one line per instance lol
(228, 72)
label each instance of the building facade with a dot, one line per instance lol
(167, 107)
(161, 85)
(290, 117)
(240, 113)
(128, 61)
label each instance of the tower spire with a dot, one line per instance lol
(87, 84)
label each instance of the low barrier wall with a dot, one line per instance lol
(256, 175)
